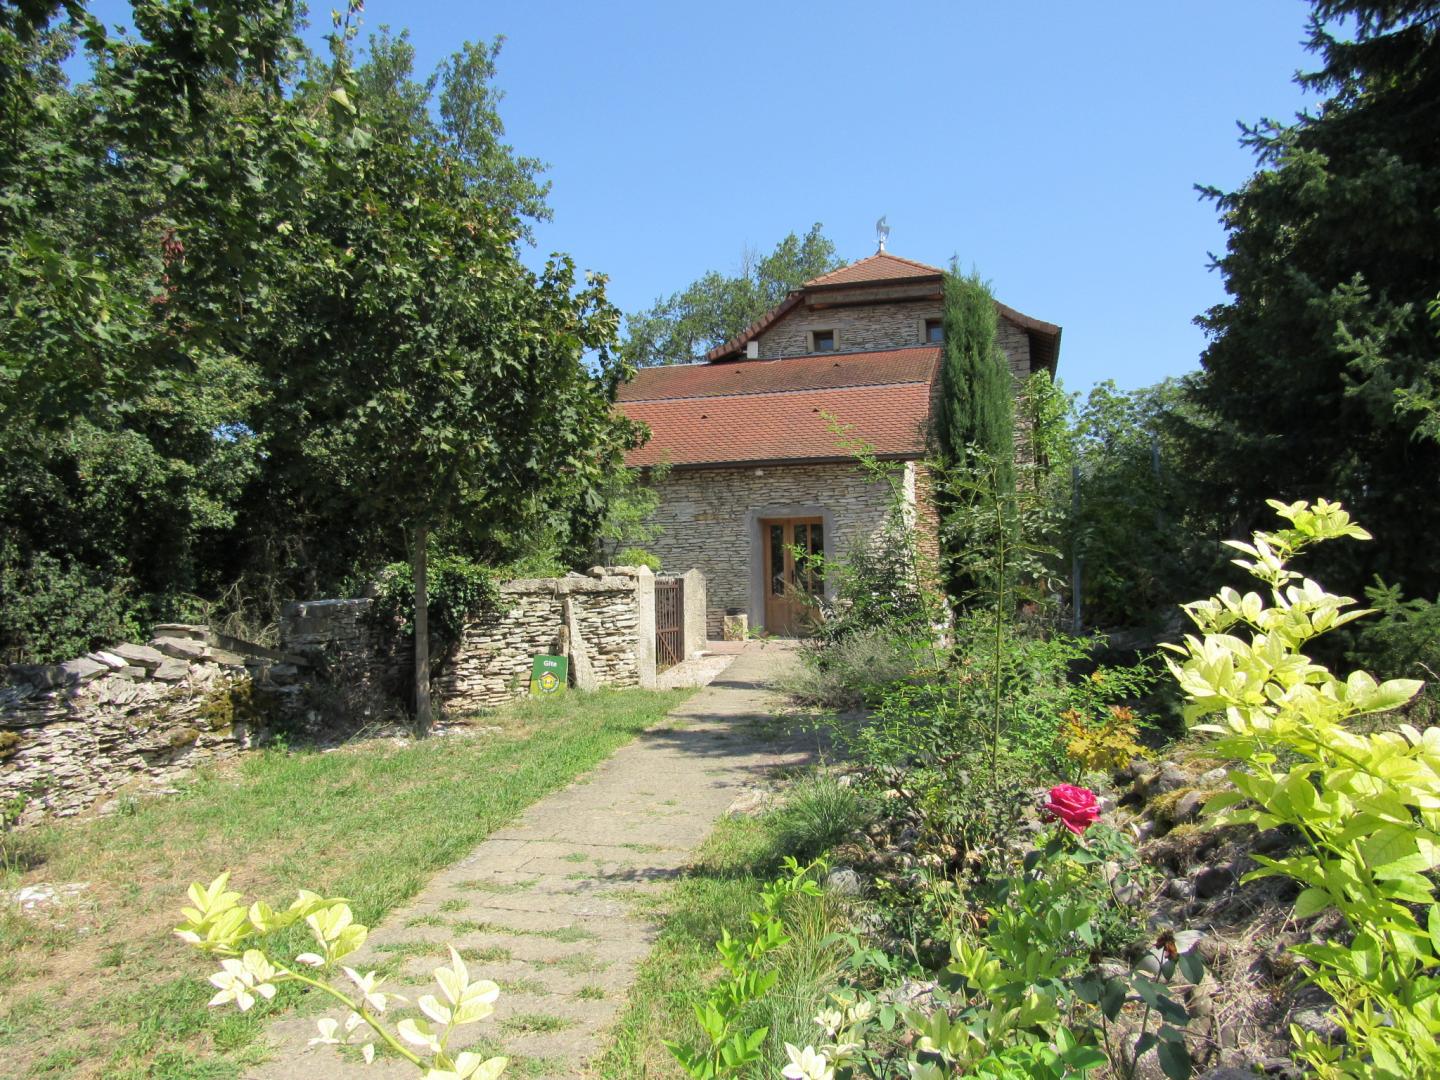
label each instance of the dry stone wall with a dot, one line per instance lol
(130, 717)
(74, 734)
(491, 665)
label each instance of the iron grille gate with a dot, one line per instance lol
(669, 622)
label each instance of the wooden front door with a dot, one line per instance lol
(792, 577)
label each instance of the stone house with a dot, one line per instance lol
(756, 471)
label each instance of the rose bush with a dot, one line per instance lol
(1074, 807)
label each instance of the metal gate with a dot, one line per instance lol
(669, 622)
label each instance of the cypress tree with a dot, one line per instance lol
(974, 420)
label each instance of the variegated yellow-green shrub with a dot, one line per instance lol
(1365, 806)
(217, 923)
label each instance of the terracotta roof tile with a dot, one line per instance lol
(882, 266)
(816, 372)
(775, 410)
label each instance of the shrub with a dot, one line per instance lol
(1365, 805)
(52, 610)
(853, 669)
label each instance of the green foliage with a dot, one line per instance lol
(1023, 999)
(263, 307)
(749, 978)
(717, 307)
(973, 426)
(459, 590)
(217, 924)
(817, 814)
(1332, 257)
(1142, 541)
(1364, 804)
(52, 611)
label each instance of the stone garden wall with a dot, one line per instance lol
(598, 620)
(133, 717)
(137, 717)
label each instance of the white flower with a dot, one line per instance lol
(367, 984)
(368, 1053)
(327, 1026)
(806, 1064)
(830, 1020)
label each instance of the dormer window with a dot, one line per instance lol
(933, 332)
(822, 341)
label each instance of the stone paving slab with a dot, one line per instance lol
(546, 906)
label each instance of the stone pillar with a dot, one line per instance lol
(695, 615)
(645, 626)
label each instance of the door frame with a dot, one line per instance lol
(753, 517)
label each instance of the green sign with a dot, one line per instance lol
(548, 675)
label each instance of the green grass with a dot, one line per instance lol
(372, 823)
(740, 856)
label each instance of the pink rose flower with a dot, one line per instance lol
(1074, 807)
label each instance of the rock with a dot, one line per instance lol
(1227, 1072)
(1269, 841)
(911, 992)
(1189, 806)
(1215, 777)
(84, 669)
(109, 659)
(139, 655)
(1211, 881)
(225, 658)
(192, 631)
(1179, 889)
(843, 881)
(748, 803)
(34, 897)
(181, 648)
(1320, 1023)
(129, 672)
(172, 670)
(1168, 778)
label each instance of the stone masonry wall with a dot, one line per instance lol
(708, 518)
(880, 326)
(130, 718)
(864, 326)
(492, 663)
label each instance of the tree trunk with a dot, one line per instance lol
(422, 635)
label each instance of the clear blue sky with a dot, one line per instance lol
(1052, 146)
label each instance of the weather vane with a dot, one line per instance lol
(882, 233)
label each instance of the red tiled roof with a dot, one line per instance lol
(752, 428)
(882, 266)
(775, 410)
(820, 371)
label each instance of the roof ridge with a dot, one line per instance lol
(860, 262)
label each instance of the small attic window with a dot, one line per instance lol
(822, 341)
(933, 332)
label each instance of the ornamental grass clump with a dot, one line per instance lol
(1366, 806)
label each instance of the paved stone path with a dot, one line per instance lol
(547, 907)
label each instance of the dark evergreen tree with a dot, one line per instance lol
(974, 420)
(1333, 253)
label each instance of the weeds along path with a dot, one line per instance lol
(553, 908)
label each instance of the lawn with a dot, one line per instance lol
(99, 987)
(717, 893)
